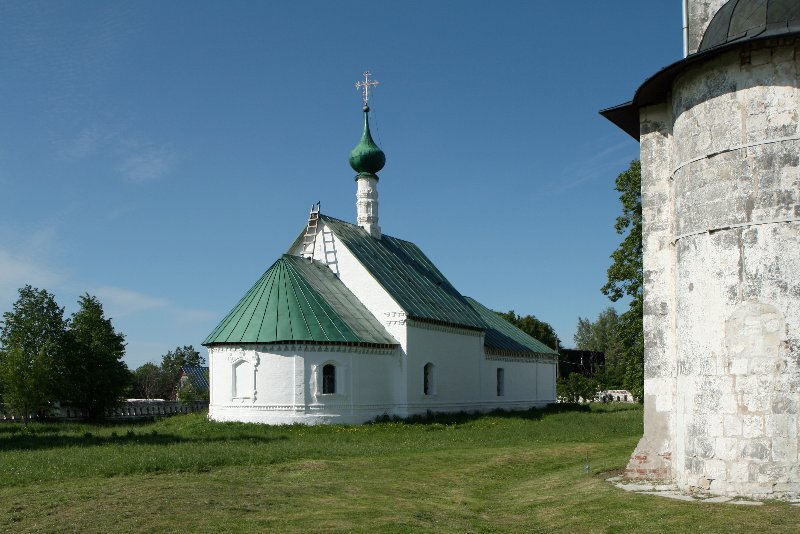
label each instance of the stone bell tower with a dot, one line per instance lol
(720, 149)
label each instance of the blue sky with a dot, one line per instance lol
(162, 155)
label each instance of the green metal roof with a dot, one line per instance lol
(407, 275)
(504, 336)
(297, 300)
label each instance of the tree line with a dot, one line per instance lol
(47, 358)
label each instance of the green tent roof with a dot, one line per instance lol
(407, 275)
(504, 336)
(297, 300)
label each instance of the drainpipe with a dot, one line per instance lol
(685, 5)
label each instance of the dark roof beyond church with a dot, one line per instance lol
(736, 22)
(198, 376)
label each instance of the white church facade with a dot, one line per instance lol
(352, 324)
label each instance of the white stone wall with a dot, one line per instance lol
(722, 295)
(288, 384)
(653, 455)
(466, 379)
(737, 193)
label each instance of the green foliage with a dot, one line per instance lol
(190, 393)
(172, 363)
(625, 273)
(625, 277)
(33, 337)
(533, 327)
(95, 375)
(577, 388)
(150, 381)
(604, 335)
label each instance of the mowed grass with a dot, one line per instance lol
(504, 472)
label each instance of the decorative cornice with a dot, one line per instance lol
(272, 348)
(441, 327)
(507, 356)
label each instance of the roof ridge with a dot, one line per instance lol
(322, 215)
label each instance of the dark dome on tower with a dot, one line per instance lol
(742, 20)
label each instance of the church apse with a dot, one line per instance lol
(719, 134)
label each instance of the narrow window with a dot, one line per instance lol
(501, 381)
(428, 385)
(329, 378)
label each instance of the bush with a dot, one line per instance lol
(577, 388)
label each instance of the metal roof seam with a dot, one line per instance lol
(224, 323)
(257, 295)
(263, 315)
(308, 303)
(338, 299)
(302, 317)
(325, 308)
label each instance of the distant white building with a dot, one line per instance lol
(352, 324)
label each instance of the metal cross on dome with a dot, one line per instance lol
(365, 85)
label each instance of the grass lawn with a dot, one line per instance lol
(495, 473)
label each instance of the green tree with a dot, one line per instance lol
(533, 327)
(625, 276)
(95, 375)
(149, 382)
(171, 365)
(577, 388)
(190, 393)
(33, 337)
(603, 335)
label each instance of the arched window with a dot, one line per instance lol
(329, 378)
(429, 379)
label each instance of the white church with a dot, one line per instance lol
(352, 324)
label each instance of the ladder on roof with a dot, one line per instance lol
(310, 237)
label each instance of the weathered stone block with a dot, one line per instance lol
(752, 426)
(732, 425)
(784, 449)
(716, 469)
(738, 472)
(755, 449)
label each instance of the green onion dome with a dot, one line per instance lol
(366, 157)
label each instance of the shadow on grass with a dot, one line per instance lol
(44, 440)
(457, 418)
